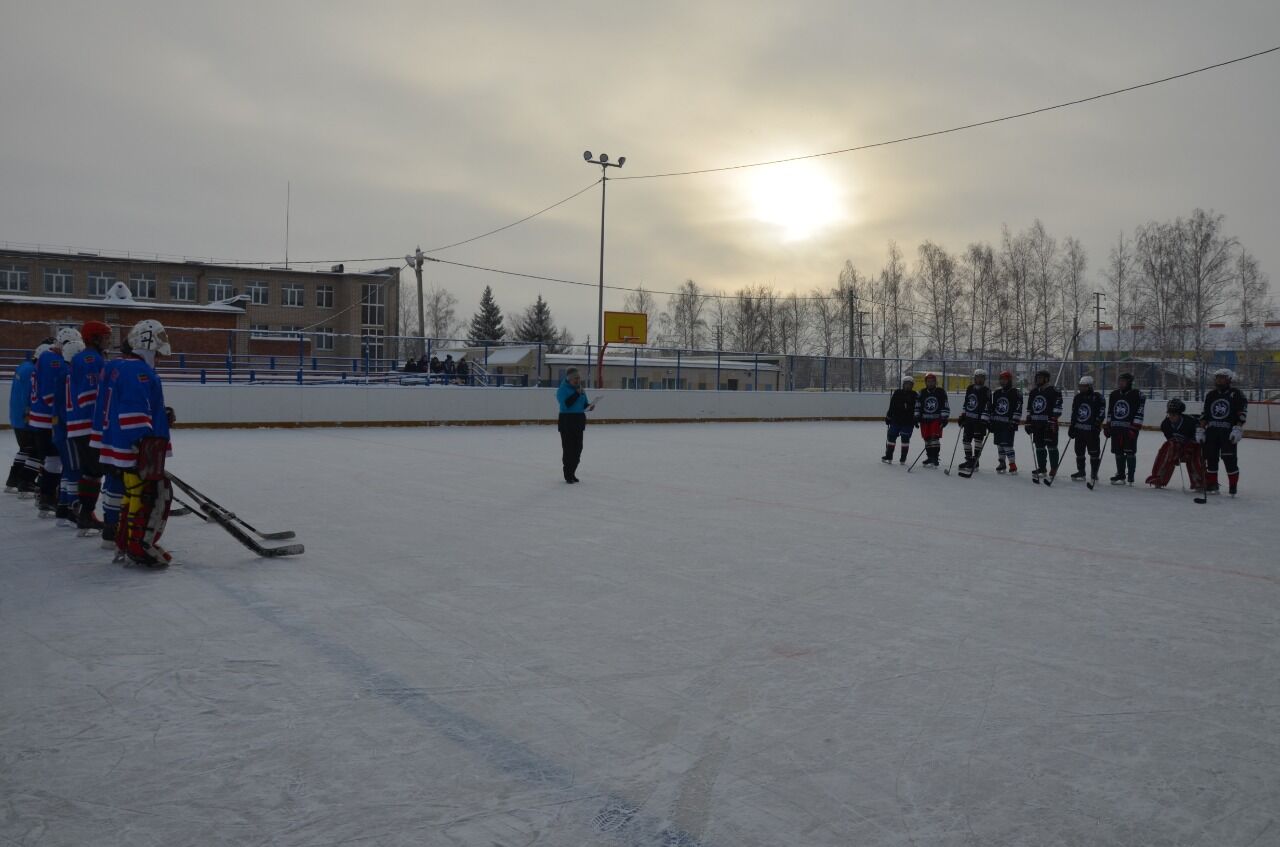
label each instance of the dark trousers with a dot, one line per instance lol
(1217, 444)
(1091, 443)
(572, 428)
(23, 471)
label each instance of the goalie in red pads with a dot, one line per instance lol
(1180, 446)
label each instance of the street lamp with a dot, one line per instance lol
(604, 164)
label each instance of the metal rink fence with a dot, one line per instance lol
(234, 356)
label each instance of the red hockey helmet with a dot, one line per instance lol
(1006, 375)
(89, 329)
(930, 376)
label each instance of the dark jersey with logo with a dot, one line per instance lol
(977, 404)
(1183, 432)
(1087, 411)
(932, 405)
(1125, 408)
(1044, 403)
(1224, 408)
(1006, 407)
(902, 408)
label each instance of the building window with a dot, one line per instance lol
(143, 286)
(183, 288)
(57, 281)
(291, 332)
(13, 278)
(220, 289)
(259, 293)
(323, 339)
(259, 331)
(373, 304)
(324, 296)
(373, 344)
(99, 282)
(291, 295)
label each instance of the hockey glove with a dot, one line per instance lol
(1236, 434)
(1200, 435)
(1106, 429)
(170, 416)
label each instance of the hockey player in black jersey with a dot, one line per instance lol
(1088, 409)
(1044, 407)
(1125, 409)
(932, 413)
(1004, 417)
(1222, 427)
(1182, 434)
(974, 420)
(901, 420)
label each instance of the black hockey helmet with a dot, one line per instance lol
(1126, 377)
(1176, 407)
(1043, 373)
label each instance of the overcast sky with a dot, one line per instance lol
(173, 127)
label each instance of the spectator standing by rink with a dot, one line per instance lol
(463, 371)
(22, 474)
(901, 420)
(572, 422)
(1125, 409)
(1222, 428)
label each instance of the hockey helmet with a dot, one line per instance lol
(1126, 377)
(67, 333)
(149, 335)
(41, 348)
(979, 376)
(1086, 380)
(1006, 375)
(71, 348)
(1043, 373)
(908, 379)
(1224, 373)
(1176, 407)
(92, 329)
(930, 376)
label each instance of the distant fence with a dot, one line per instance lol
(306, 357)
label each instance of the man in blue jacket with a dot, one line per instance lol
(573, 421)
(22, 474)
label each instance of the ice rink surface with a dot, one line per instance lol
(728, 635)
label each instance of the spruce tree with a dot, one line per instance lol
(486, 324)
(536, 325)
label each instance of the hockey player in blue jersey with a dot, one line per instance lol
(69, 480)
(135, 439)
(22, 475)
(47, 385)
(82, 396)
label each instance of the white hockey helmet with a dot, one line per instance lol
(71, 348)
(149, 335)
(979, 372)
(908, 378)
(1231, 377)
(41, 349)
(67, 333)
(1086, 380)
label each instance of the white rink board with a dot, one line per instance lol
(726, 635)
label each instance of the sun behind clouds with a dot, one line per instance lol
(801, 198)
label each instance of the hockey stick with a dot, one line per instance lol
(959, 435)
(918, 455)
(1102, 451)
(282, 535)
(1053, 472)
(228, 521)
(976, 454)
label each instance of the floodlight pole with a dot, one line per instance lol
(604, 164)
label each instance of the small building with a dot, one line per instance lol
(341, 313)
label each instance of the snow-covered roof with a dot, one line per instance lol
(699, 363)
(119, 297)
(1217, 337)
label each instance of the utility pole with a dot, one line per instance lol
(604, 164)
(1097, 324)
(415, 261)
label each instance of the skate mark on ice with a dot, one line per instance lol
(502, 753)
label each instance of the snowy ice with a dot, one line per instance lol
(728, 634)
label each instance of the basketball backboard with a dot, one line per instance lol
(626, 328)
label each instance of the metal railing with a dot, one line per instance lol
(237, 357)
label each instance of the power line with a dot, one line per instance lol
(953, 129)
